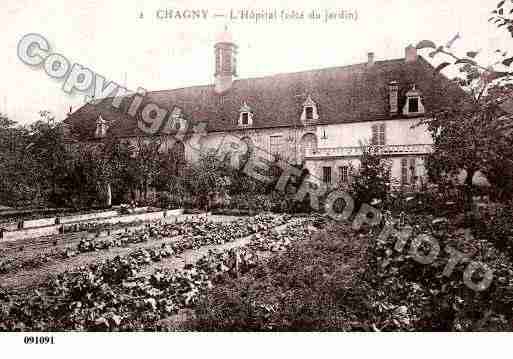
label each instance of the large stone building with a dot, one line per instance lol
(319, 117)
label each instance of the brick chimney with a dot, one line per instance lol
(410, 53)
(393, 97)
(370, 59)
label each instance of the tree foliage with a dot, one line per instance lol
(473, 135)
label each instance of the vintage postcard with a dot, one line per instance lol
(175, 168)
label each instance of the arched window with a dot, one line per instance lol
(308, 142)
(249, 143)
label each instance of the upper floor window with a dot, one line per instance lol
(177, 117)
(245, 115)
(308, 143)
(413, 105)
(245, 118)
(378, 135)
(275, 145)
(310, 111)
(249, 144)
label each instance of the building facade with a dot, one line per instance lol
(320, 118)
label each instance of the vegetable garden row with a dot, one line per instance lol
(120, 293)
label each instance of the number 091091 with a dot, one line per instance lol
(38, 340)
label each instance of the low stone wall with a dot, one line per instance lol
(174, 212)
(30, 233)
(143, 217)
(87, 216)
(169, 216)
(9, 226)
(146, 217)
(41, 222)
(68, 219)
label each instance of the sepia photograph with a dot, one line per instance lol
(200, 172)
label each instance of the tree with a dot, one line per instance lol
(473, 134)
(49, 155)
(372, 179)
(18, 185)
(207, 177)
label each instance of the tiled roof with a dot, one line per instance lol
(343, 94)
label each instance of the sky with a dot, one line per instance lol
(127, 42)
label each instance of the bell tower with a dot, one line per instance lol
(226, 61)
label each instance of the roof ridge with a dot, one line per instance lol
(331, 68)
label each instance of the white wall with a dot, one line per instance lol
(397, 132)
(315, 167)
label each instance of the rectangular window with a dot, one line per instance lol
(309, 112)
(326, 175)
(344, 174)
(275, 146)
(404, 171)
(378, 135)
(382, 134)
(413, 170)
(413, 105)
(245, 118)
(218, 60)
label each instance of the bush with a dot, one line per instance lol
(497, 228)
(346, 280)
(436, 302)
(425, 202)
(168, 200)
(316, 285)
(372, 179)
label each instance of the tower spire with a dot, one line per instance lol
(226, 61)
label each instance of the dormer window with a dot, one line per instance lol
(310, 112)
(101, 127)
(176, 121)
(177, 118)
(245, 115)
(245, 118)
(413, 105)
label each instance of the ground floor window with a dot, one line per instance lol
(344, 174)
(326, 175)
(404, 171)
(408, 170)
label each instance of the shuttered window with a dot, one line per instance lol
(326, 175)
(378, 135)
(344, 174)
(413, 170)
(404, 171)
